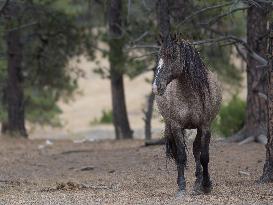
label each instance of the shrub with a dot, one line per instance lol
(231, 117)
(106, 118)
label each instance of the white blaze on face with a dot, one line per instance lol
(159, 67)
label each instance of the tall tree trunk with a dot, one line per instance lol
(120, 117)
(163, 17)
(268, 166)
(255, 121)
(180, 9)
(15, 95)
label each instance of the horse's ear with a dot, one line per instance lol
(160, 38)
(168, 39)
(158, 41)
(172, 37)
(176, 37)
(180, 35)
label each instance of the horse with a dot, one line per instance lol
(188, 96)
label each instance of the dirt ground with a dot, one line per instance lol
(123, 172)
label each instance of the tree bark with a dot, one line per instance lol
(116, 58)
(268, 166)
(179, 9)
(148, 116)
(163, 17)
(15, 93)
(255, 121)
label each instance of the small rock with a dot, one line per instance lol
(89, 168)
(244, 173)
(41, 146)
(112, 171)
(79, 141)
(49, 142)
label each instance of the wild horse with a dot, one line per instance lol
(188, 96)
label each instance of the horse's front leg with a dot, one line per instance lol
(204, 158)
(198, 169)
(181, 158)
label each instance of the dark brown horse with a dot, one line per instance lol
(188, 96)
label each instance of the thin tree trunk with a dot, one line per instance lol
(255, 121)
(268, 166)
(148, 114)
(120, 117)
(163, 22)
(15, 93)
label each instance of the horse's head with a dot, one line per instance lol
(168, 65)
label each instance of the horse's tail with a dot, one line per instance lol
(175, 146)
(171, 149)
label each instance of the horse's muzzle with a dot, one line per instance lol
(157, 90)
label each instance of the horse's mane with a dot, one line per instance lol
(192, 64)
(193, 68)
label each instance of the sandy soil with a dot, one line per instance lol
(123, 172)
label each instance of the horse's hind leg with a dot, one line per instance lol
(196, 154)
(204, 158)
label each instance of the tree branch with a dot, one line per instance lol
(229, 38)
(243, 56)
(209, 41)
(22, 27)
(145, 55)
(217, 18)
(204, 10)
(140, 37)
(142, 46)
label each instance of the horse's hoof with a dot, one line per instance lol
(197, 187)
(200, 188)
(206, 188)
(197, 191)
(180, 193)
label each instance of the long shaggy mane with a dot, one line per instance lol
(194, 68)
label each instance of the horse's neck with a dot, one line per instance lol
(183, 82)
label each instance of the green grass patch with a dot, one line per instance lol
(230, 118)
(106, 118)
